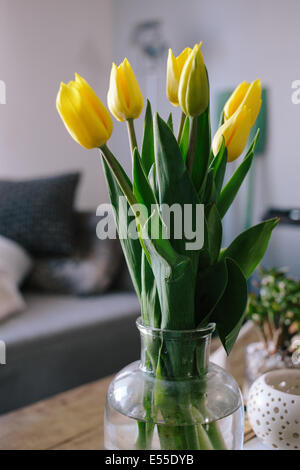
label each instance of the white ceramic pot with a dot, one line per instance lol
(274, 408)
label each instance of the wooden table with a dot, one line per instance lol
(72, 420)
(68, 421)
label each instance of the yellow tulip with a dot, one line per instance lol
(193, 89)
(124, 97)
(174, 69)
(246, 94)
(83, 114)
(235, 132)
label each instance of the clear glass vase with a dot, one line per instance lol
(173, 398)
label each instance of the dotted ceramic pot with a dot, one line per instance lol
(274, 409)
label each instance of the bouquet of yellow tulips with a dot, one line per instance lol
(180, 288)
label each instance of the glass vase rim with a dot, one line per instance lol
(201, 332)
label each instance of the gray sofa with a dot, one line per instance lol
(61, 342)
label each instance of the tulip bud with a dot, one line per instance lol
(240, 113)
(124, 97)
(83, 114)
(174, 69)
(245, 95)
(193, 89)
(235, 132)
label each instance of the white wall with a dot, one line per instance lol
(43, 42)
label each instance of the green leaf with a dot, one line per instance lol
(152, 180)
(202, 151)
(132, 248)
(170, 122)
(174, 276)
(214, 232)
(184, 142)
(151, 312)
(147, 153)
(145, 196)
(231, 189)
(221, 119)
(172, 272)
(249, 247)
(211, 285)
(210, 188)
(230, 310)
(219, 166)
(174, 183)
(141, 185)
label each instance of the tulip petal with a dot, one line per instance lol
(86, 90)
(173, 76)
(134, 91)
(193, 91)
(234, 131)
(80, 118)
(253, 99)
(197, 96)
(174, 69)
(235, 99)
(240, 136)
(115, 97)
(183, 83)
(124, 97)
(182, 58)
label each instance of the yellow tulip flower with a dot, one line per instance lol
(235, 132)
(174, 69)
(124, 97)
(246, 94)
(193, 89)
(83, 114)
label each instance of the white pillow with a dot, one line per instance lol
(14, 260)
(15, 263)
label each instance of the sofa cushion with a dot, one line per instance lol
(48, 316)
(79, 274)
(38, 214)
(93, 267)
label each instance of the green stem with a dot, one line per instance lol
(118, 173)
(146, 428)
(178, 404)
(215, 436)
(181, 126)
(185, 437)
(131, 135)
(145, 435)
(192, 146)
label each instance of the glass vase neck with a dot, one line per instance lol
(175, 353)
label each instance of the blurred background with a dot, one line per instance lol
(44, 42)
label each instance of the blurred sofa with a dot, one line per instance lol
(62, 341)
